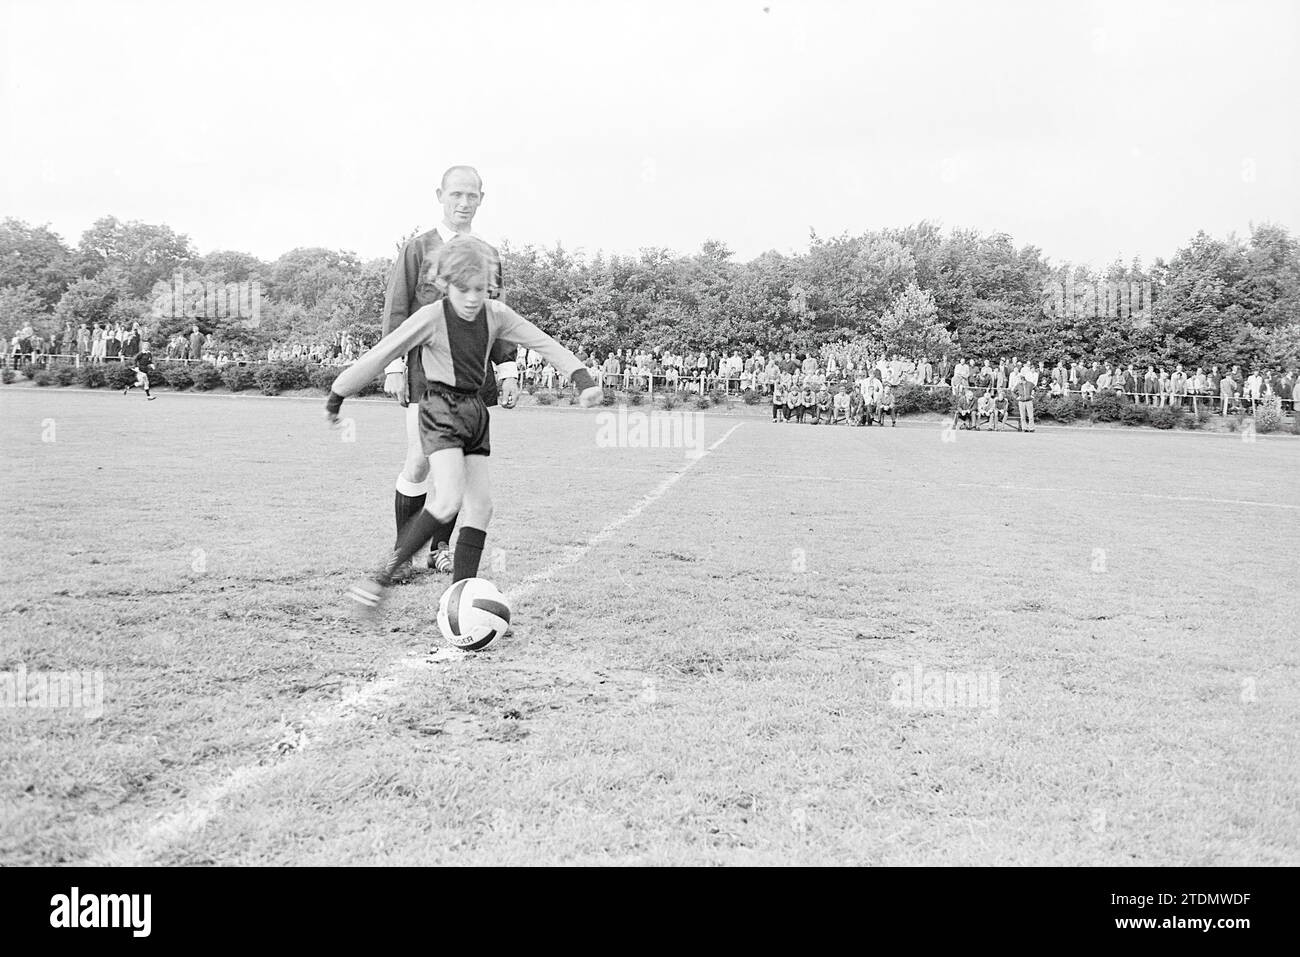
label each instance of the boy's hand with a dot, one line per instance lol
(509, 393)
(591, 396)
(395, 377)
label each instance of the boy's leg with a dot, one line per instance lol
(412, 488)
(413, 480)
(476, 510)
(435, 520)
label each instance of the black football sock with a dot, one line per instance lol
(408, 501)
(469, 549)
(415, 535)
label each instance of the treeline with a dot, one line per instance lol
(913, 290)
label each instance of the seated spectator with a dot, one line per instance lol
(964, 414)
(823, 406)
(841, 413)
(1001, 406)
(808, 405)
(987, 409)
(1088, 390)
(857, 407)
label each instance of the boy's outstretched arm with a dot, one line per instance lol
(508, 325)
(414, 331)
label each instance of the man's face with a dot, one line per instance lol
(468, 299)
(460, 198)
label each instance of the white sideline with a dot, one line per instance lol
(197, 812)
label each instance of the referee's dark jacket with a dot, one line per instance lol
(410, 286)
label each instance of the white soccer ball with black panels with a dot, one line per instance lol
(471, 613)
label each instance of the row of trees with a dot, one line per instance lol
(913, 290)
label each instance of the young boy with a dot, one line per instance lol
(778, 404)
(885, 401)
(857, 407)
(455, 335)
(143, 366)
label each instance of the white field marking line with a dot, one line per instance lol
(1112, 493)
(577, 552)
(197, 812)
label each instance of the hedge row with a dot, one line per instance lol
(270, 378)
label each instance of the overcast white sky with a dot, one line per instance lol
(1088, 129)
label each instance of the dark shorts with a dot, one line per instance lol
(453, 420)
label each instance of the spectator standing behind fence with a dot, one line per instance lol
(83, 342)
(1200, 386)
(612, 368)
(1254, 390)
(960, 376)
(197, 342)
(131, 347)
(1227, 392)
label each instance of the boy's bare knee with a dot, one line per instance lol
(416, 469)
(444, 507)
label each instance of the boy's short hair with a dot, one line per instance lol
(463, 260)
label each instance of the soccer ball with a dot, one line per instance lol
(471, 613)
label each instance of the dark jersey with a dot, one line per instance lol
(144, 361)
(411, 286)
(468, 343)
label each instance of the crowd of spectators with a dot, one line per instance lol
(812, 387)
(818, 378)
(112, 342)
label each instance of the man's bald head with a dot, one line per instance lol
(462, 170)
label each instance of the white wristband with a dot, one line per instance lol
(508, 370)
(397, 365)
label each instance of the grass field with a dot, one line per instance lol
(804, 646)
